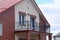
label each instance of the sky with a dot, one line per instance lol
(51, 10)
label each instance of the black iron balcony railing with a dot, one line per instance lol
(48, 30)
(44, 29)
(26, 25)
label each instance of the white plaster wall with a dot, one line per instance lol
(23, 6)
(27, 7)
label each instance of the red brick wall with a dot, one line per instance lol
(7, 18)
(42, 23)
(43, 37)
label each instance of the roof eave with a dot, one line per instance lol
(40, 12)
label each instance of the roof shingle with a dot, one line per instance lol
(5, 4)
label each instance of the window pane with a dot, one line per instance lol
(0, 29)
(19, 19)
(23, 19)
(32, 20)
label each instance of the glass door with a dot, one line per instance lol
(32, 23)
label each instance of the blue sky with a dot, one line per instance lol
(44, 1)
(51, 10)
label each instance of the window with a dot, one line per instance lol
(22, 19)
(19, 19)
(0, 29)
(32, 20)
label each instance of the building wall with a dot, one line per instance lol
(20, 35)
(27, 7)
(43, 37)
(42, 23)
(7, 19)
(34, 36)
(23, 36)
(57, 38)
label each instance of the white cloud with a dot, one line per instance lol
(52, 13)
(57, 2)
(54, 6)
(55, 32)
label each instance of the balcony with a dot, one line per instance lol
(26, 25)
(45, 29)
(48, 30)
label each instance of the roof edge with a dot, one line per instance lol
(39, 11)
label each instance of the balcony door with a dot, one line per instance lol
(32, 23)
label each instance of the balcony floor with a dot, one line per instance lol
(29, 32)
(33, 32)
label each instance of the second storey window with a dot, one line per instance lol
(32, 21)
(22, 19)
